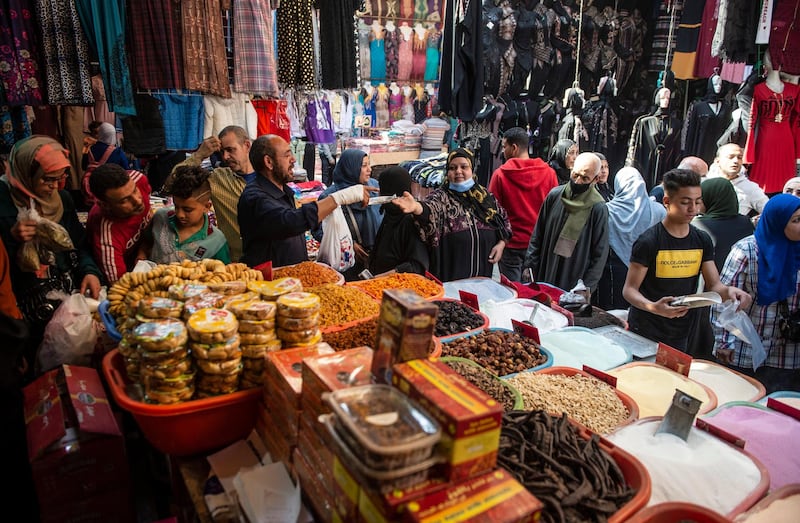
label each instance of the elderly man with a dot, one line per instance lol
(691, 163)
(227, 182)
(728, 163)
(272, 225)
(570, 240)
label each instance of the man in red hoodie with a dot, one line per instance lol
(520, 186)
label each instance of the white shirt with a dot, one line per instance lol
(751, 196)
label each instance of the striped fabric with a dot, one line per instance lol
(253, 51)
(156, 44)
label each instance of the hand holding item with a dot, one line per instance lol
(663, 308)
(353, 194)
(24, 230)
(408, 204)
(497, 252)
(90, 286)
(209, 146)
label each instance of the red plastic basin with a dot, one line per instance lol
(188, 428)
(677, 511)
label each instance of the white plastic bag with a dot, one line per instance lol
(70, 336)
(336, 248)
(738, 323)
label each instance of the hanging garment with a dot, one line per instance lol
(461, 87)
(562, 36)
(661, 35)
(103, 22)
(20, 79)
(156, 51)
(492, 51)
(100, 110)
(542, 49)
(319, 124)
(295, 44)
(182, 115)
(204, 62)
(337, 45)
(14, 126)
(418, 60)
(392, 48)
(254, 49)
(705, 64)
(144, 133)
(72, 135)
(382, 108)
(395, 107)
(770, 140)
(784, 38)
(273, 118)
(222, 112)
(739, 35)
(703, 127)
(66, 54)
(687, 37)
(654, 147)
(363, 49)
(524, 37)
(405, 56)
(377, 54)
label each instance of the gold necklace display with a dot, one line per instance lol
(781, 101)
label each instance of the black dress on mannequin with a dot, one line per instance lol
(706, 121)
(655, 146)
(602, 121)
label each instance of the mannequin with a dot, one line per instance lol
(770, 144)
(601, 118)
(706, 121)
(390, 27)
(654, 147)
(572, 125)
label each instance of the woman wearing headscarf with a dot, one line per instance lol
(37, 165)
(398, 245)
(353, 168)
(792, 186)
(630, 213)
(462, 224)
(603, 187)
(721, 219)
(562, 158)
(766, 265)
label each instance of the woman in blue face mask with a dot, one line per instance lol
(462, 224)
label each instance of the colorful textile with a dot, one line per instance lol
(66, 54)
(295, 43)
(103, 22)
(204, 63)
(182, 115)
(19, 71)
(253, 49)
(156, 50)
(273, 118)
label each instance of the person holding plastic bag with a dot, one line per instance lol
(39, 226)
(766, 266)
(271, 224)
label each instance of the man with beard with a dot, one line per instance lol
(271, 224)
(227, 181)
(116, 220)
(570, 239)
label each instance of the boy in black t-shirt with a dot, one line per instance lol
(667, 261)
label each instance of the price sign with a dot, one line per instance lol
(470, 299)
(266, 270)
(673, 359)
(432, 277)
(600, 375)
(526, 330)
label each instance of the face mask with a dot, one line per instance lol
(462, 186)
(579, 188)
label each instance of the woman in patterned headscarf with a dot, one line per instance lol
(464, 227)
(37, 167)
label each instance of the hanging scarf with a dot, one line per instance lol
(719, 198)
(778, 257)
(30, 160)
(578, 209)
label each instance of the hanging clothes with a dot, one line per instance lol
(706, 63)
(318, 121)
(734, 40)
(770, 140)
(14, 126)
(273, 118)
(144, 133)
(337, 45)
(363, 49)
(377, 53)
(182, 115)
(204, 62)
(156, 51)
(405, 54)
(254, 49)
(562, 36)
(706, 121)
(66, 54)
(392, 48)
(295, 44)
(461, 87)
(628, 47)
(103, 22)
(99, 111)
(784, 38)
(382, 107)
(666, 21)
(655, 146)
(20, 79)
(222, 112)
(686, 39)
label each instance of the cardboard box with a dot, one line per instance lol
(285, 367)
(495, 497)
(314, 493)
(469, 418)
(345, 491)
(75, 445)
(374, 507)
(405, 329)
(317, 453)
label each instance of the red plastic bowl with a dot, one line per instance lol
(673, 511)
(192, 427)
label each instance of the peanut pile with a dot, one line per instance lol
(587, 400)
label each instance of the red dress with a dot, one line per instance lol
(770, 144)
